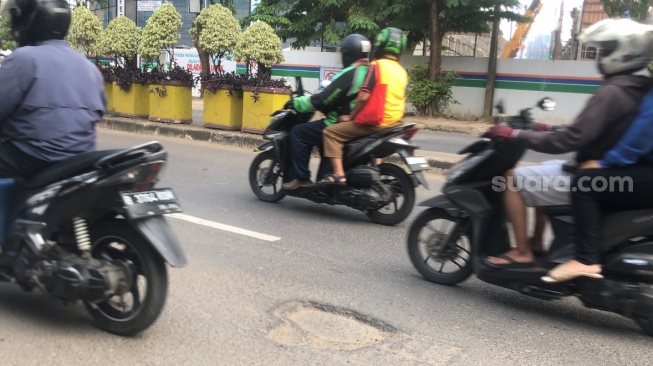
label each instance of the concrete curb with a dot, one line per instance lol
(438, 161)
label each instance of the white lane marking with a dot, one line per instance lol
(219, 226)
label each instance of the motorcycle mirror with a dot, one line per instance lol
(325, 83)
(547, 104)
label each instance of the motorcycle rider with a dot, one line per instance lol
(335, 100)
(391, 90)
(51, 95)
(631, 158)
(625, 47)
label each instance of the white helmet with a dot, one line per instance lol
(624, 44)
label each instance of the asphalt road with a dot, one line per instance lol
(451, 143)
(324, 287)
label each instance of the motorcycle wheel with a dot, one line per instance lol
(404, 196)
(265, 174)
(426, 248)
(136, 310)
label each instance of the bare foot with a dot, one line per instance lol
(515, 255)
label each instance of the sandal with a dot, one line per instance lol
(333, 179)
(561, 274)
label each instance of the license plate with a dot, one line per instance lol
(417, 163)
(150, 203)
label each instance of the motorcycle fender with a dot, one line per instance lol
(265, 147)
(444, 203)
(158, 233)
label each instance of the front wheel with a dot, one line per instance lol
(440, 248)
(403, 198)
(135, 310)
(265, 177)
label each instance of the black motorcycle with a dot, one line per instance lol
(385, 192)
(90, 228)
(448, 241)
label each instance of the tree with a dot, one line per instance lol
(259, 44)
(121, 40)
(330, 20)
(5, 34)
(638, 9)
(85, 30)
(215, 32)
(161, 32)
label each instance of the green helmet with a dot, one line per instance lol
(390, 41)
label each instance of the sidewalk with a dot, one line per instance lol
(195, 131)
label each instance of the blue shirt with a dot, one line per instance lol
(51, 96)
(636, 145)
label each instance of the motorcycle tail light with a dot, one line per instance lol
(143, 175)
(410, 133)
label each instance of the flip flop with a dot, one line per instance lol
(561, 274)
(334, 179)
(511, 263)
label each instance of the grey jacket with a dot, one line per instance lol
(51, 96)
(605, 118)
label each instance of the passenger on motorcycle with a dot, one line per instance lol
(335, 100)
(387, 80)
(51, 95)
(625, 47)
(630, 162)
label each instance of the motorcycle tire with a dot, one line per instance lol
(117, 240)
(421, 262)
(404, 187)
(259, 178)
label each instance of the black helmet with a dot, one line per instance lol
(354, 47)
(37, 20)
(391, 41)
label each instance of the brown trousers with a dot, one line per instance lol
(335, 136)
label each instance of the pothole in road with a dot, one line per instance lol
(329, 327)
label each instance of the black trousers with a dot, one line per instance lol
(302, 139)
(597, 191)
(16, 164)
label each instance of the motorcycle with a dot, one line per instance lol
(467, 222)
(91, 228)
(385, 192)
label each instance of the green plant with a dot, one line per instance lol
(260, 45)
(431, 97)
(161, 32)
(121, 40)
(85, 30)
(216, 31)
(5, 34)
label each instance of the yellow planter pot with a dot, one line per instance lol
(108, 91)
(223, 111)
(132, 103)
(175, 107)
(256, 114)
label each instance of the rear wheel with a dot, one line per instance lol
(265, 177)
(404, 196)
(135, 310)
(440, 248)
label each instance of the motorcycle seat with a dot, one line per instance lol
(387, 132)
(562, 210)
(60, 170)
